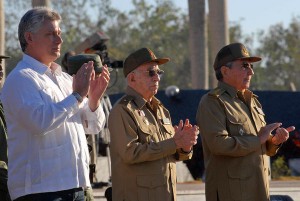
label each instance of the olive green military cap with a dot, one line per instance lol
(231, 52)
(140, 57)
(75, 62)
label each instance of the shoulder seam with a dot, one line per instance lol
(216, 92)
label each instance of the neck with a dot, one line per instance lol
(149, 100)
(39, 58)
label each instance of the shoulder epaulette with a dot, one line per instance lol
(126, 99)
(216, 92)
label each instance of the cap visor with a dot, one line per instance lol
(4, 57)
(250, 59)
(161, 60)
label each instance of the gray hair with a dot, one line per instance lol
(218, 72)
(33, 20)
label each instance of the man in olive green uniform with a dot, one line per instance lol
(236, 140)
(144, 144)
(3, 147)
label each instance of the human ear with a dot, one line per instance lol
(130, 78)
(224, 70)
(28, 37)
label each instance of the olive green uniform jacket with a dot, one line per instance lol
(237, 165)
(3, 157)
(143, 152)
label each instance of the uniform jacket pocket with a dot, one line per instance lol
(241, 183)
(151, 187)
(237, 125)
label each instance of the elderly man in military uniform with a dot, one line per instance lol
(144, 144)
(236, 141)
(3, 146)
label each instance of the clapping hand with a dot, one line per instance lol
(186, 135)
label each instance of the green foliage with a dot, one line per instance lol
(279, 168)
(162, 27)
(280, 49)
(77, 23)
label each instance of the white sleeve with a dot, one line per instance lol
(93, 122)
(36, 106)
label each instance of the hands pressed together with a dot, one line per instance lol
(86, 83)
(186, 135)
(281, 134)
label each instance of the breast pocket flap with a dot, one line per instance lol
(236, 119)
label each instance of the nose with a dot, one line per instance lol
(156, 77)
(59, 39)
(250, 71)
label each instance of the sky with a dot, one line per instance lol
(253, 15)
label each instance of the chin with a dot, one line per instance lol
(55, 56)
(154, 92)
(245, 87)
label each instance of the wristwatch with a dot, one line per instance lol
(185, 152)
(77, 96)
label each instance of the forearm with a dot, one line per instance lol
(40, 115)
(93, 122)
(143, 152)
(94, 104)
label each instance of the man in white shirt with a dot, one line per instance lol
(48, 115)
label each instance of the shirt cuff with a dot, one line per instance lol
(97, 114)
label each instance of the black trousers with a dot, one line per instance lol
(75, 194)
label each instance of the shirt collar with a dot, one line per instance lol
(230, 90)
(233, 92)
(138, 99)
(40, 67)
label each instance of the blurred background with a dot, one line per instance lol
(190, 32)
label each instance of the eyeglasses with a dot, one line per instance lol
(154, 72)
(247, 66)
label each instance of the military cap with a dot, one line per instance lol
(3, 57)
(140, 57)
(231, 52)
(75, 62)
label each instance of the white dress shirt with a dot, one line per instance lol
(47, 147)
